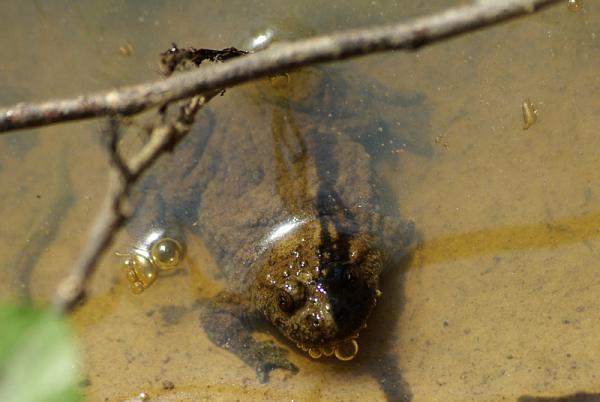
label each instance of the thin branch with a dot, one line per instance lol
(114, 212)
(277, 58)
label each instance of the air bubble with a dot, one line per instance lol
(314, 353)
(167, 253)
(327, 350)
(346, 350)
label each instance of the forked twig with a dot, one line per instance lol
(115, 212)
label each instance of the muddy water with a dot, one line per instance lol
(499, 301)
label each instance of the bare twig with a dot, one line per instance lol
(276, 59)
(114, 212)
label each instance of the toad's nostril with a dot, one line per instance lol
(314, 320)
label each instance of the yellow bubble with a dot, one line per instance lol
(346, 350)
(327, 350)
(167, 253)
(314, 353)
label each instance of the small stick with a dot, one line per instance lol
(114, 212)
(278, 58)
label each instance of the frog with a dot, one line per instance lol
(278, 180)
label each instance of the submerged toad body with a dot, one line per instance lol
(276, 182)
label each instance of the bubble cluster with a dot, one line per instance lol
(143, 267)
(343, 351)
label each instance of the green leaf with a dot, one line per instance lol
(38, 357)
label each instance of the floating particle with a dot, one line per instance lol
(126, 49)
(529, 114)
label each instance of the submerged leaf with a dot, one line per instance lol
(38, 357)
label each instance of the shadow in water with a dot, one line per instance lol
(571, 230)
(578, 397)
(377, 355)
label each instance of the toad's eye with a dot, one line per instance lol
(167, 253)
(285, 302)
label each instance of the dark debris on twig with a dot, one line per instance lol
(174, 58)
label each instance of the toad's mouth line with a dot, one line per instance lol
(344, 350)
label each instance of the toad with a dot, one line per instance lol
(278, 180)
